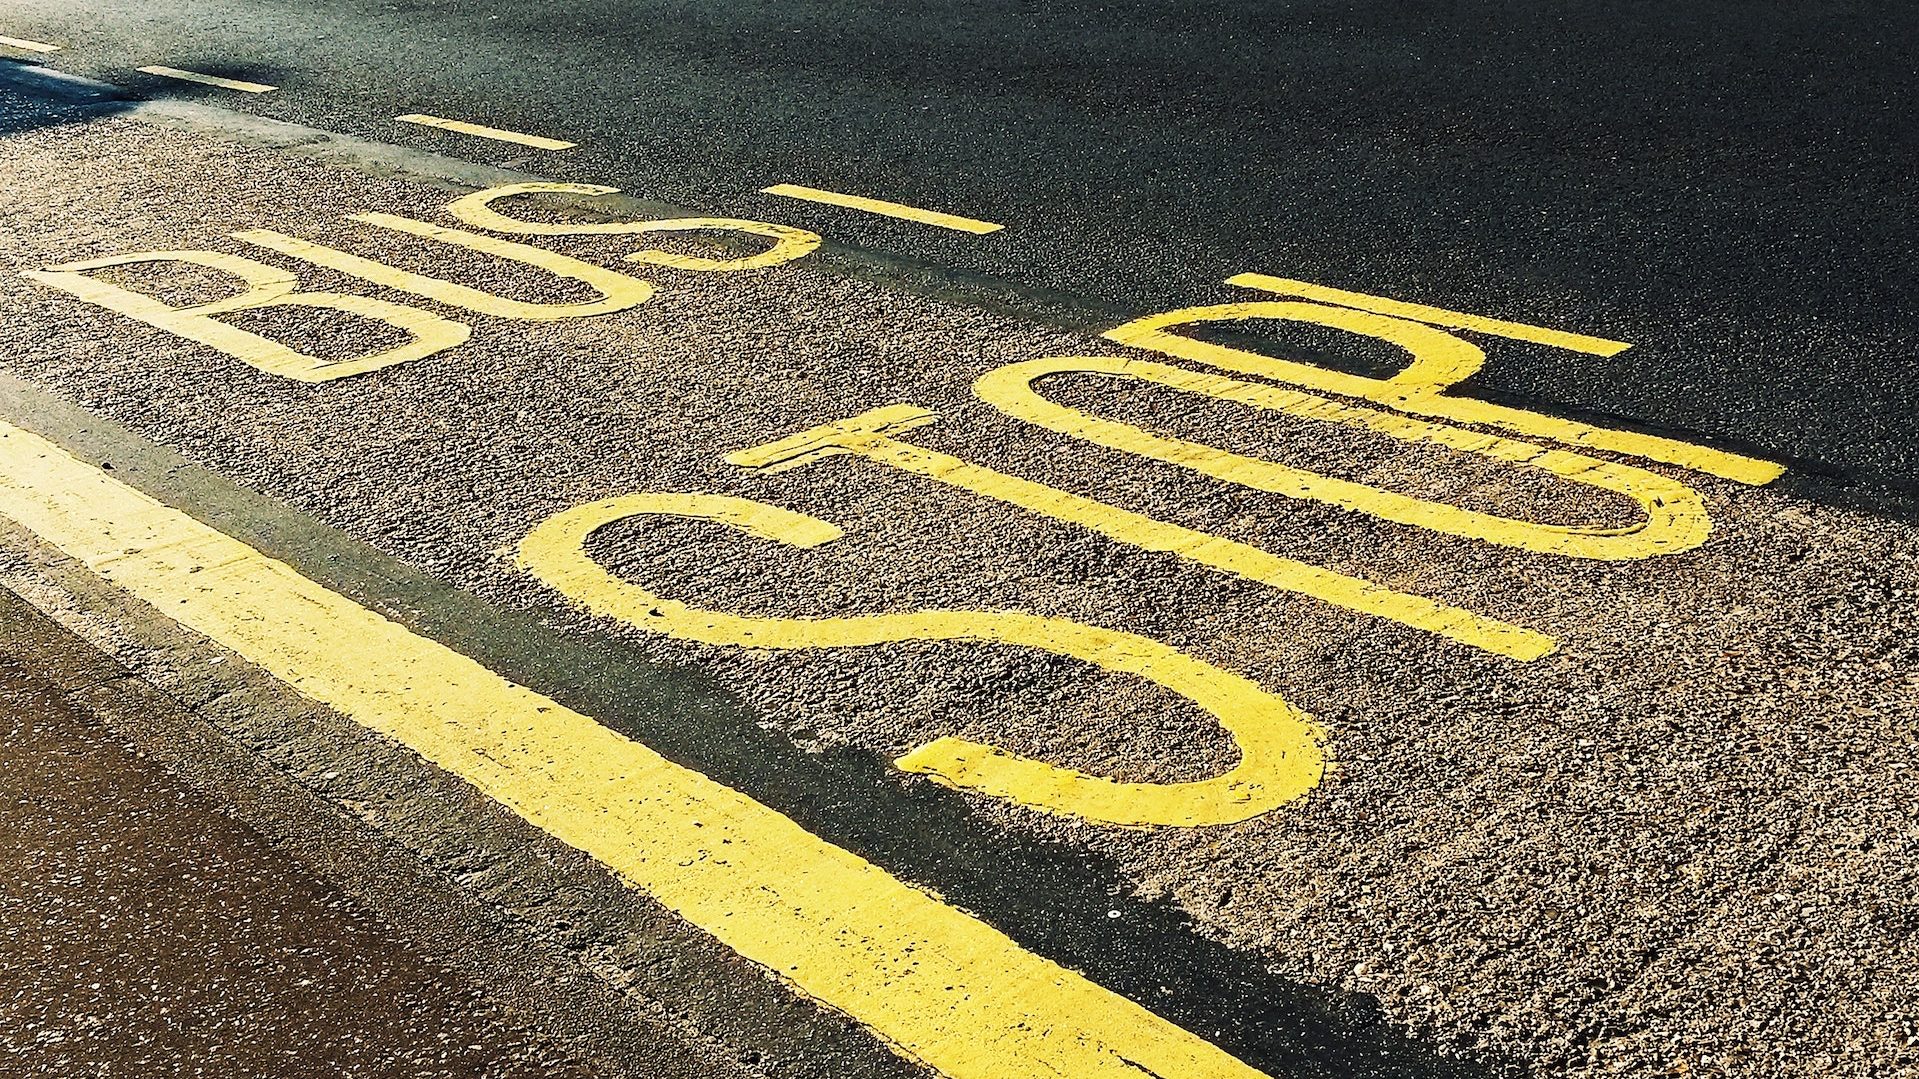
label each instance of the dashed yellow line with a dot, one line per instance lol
(209, 80)
(538, 142)
(881, 206)
(935, 984)
(28, 46)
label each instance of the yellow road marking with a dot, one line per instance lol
(538, 142)
(29, 46)
(266, 286)
(789, 243)
(936, 984)
(1279, 746)
(870, 434)
(1440, 361)
(209, 80)
(1675, 516)
(618, 291)
(881, 206)
(1436, 316)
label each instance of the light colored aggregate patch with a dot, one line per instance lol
(1684, 844)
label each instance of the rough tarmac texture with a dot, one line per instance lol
(1683, 844)
(149, 934)
(1721, 182)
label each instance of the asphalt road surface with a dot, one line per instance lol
(149, 933)
(731, 631)
(1723, 184)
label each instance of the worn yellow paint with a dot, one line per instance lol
(870, 435)
(1439, 361)
(1279, 746)
(538, 142)
(881, 206)
(1675, 518)
(936, 984)
(1436, 316)
(618, 292)
(266, 286)
(209, 80)
(789, 243)
(28, 45)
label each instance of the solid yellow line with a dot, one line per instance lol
(1435, 316)
(30, 46)
(538, 142)
(881, 206)
(209, 80)
(934, 983)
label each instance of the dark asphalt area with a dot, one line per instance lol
(1681, 845)
(148, 933)
(1726, 185)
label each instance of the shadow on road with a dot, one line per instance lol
(34, 97)
(1072, 907)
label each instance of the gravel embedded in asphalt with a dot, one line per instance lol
(150, 934)
(1684, 842)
